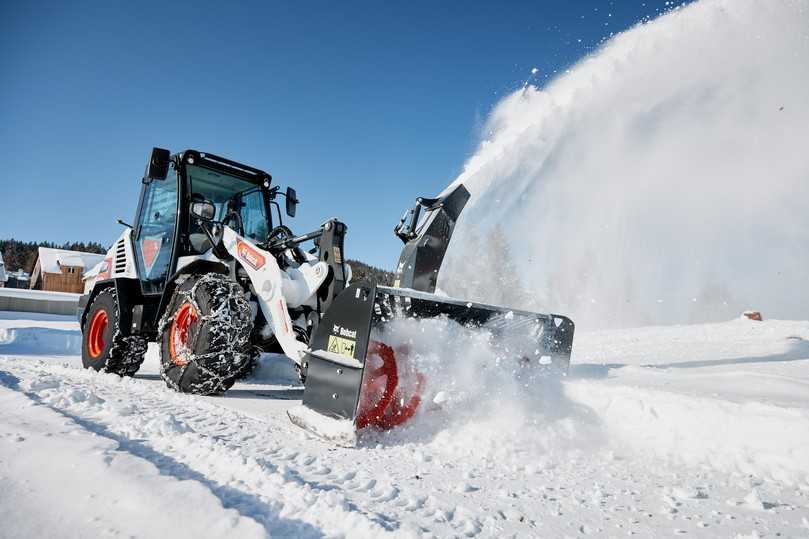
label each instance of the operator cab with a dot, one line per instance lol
(237, 195)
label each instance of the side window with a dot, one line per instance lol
(254, 216)
(154, 239)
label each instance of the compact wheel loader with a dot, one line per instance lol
(210, 273)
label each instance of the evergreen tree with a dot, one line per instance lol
(362, 271)
(22, 255)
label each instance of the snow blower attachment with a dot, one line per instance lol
(353, 379)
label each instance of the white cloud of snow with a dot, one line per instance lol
(664, 179)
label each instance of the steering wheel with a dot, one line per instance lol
(276, 242)
(234, 217)
(278, 234)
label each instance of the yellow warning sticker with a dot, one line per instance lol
(340, 345)
(338, 255)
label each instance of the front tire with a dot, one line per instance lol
(205, 335)
(104, 347)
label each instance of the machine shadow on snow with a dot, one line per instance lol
(287, 394)
(149, 377)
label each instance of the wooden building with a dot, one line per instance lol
(60, 270)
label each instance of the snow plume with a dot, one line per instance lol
(664, 179)
(483, 392)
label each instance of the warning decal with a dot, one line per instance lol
(342, 346)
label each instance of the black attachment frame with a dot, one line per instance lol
(426, 246)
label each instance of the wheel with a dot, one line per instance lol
(381, 405)
(205, 335)
(103, 346)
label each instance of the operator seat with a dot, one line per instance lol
(197, 239)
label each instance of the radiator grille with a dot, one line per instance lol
(120, 256)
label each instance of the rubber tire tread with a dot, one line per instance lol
(122, 355)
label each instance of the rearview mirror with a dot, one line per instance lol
(158, 166)
(292, 201)
(204, 210)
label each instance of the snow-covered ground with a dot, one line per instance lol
(694, 430)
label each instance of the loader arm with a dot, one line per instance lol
(272, 288)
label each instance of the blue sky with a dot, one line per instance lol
(360, 106)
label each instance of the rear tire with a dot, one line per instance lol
(205, 335)
(104, 347)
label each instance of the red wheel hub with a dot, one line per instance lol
(95, 336)
(179, 349)
(380, 404)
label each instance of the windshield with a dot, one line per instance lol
(230, 193)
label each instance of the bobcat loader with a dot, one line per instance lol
(210, 274)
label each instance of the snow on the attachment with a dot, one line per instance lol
(339, 431)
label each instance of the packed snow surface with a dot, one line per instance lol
(697, 430)
(663, 179)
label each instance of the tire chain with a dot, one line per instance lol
(215, 382)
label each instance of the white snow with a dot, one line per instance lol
(656, 431)
(67, 477)
(668, 165)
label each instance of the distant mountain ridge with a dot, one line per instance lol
(362, 271)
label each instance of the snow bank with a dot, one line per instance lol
(661, 180)
(750, 438)
(39, 341)
(39, 334)
(730, 396)
(38, 294)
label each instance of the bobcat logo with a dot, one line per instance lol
(255, 259)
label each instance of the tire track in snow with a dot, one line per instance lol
(210, 448)
(472, 480)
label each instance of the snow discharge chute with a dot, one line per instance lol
(357, 380)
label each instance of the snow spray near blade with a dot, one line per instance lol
(664, 179)
(482, 391)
